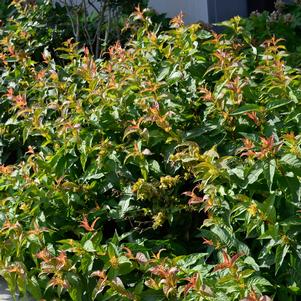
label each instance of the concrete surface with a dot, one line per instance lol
(5, 294)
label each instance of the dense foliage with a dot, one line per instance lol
(170, 171)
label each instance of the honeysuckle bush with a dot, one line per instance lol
(169, 171)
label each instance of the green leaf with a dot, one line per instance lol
(247, 108)
(60, 166)
(192, 259)
(254, 175)
(291, 221)
(124, 265)
(152, 295)
(271, 233)
(269, 172)
(76, 288)
(154, 166)
(83, 160)
(272, 105)
(295, 289)
(163, 73)
(250, 261)
(25, 133)
(112, 250)
(33, 288)
(291, 160)
(269, 209)
(196, 132)
(281, 252)
(259, 282)
(238, 171)
(174, 76)
(124, 204)
(294, 186)
(204, 34)
(95, 176)
(144, 168)
(88, 246)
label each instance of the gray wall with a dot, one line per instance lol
(220, 10)
(201, 10)
(193, 10)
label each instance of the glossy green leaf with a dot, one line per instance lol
(281, 252)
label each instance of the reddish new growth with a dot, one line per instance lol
(168, 277)
(248, 146)
(88, 63)
(192, 283)
(3, 58)
(5, 169)
(30, 150)
(252, 296)
(11, 51)
(140, 257)
(58, 281)
(272, 44)
(37, 230)
(10, 226)
(162, 271)
(217, 38)
(194, 199)
(228, 262)
(236, 86)
(160, 120)
(102, 279)
(16, 268)
(139, 13)
(44, 255)
(177, 21)
(253, 116)
(40, 75)
(267, 147)
(117, 51)
(19, 100)
(207, 94)
(52, 265)
(208, 242)
(86, 226)
(61, 260)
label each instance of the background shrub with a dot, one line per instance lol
(284, 23)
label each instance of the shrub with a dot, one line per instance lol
(169, 171)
